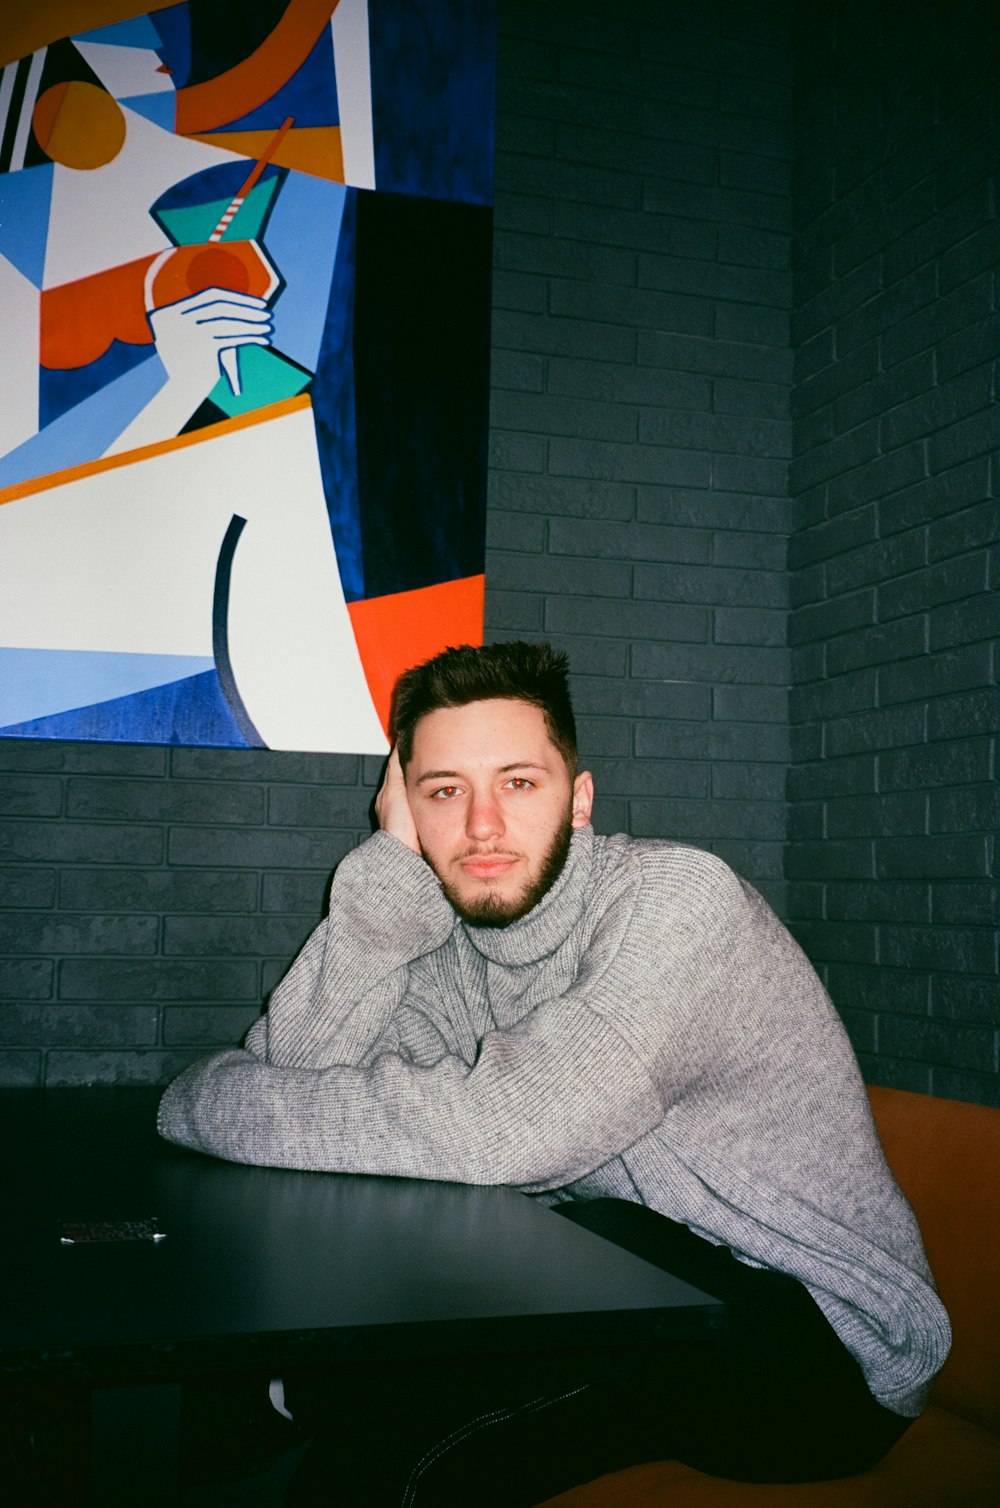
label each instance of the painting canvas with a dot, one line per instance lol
(244, 282)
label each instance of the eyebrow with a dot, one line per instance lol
(504, 769)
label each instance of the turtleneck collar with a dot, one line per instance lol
(548, 924)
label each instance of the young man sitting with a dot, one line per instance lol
(623, 1029)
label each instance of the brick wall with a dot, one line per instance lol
(640, 445)
(641, 377)
(640, 411)
(893, 796)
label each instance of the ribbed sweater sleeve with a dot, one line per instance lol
(550, 1098)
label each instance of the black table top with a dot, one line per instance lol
(261, 1265)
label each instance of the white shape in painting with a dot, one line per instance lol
(349, 28)
(124, 560)
(125, 72)
(100, 217)
(19, 303)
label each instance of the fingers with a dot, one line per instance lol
(392, 806)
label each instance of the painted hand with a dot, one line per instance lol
(194, 335)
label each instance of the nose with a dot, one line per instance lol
(483, 818)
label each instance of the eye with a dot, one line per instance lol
(520, 783)
(444, 792)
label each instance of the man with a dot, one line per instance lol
(624, 1029)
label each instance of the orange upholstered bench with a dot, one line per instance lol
(946, 1156)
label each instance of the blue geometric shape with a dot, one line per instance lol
(433, 68)
(137, 33)
(334, 412)
(173, 30)
(59, 390)
(161, 108)
(25, 201)
(302, 237)
(39, 683)
(88, 429)
(190, 711)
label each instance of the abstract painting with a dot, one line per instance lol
(245, 290)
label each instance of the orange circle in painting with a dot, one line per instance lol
(236, 265)
(78, 125)
(216, 268)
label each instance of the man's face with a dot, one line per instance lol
(494, 806)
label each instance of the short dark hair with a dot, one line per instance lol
(513, 671)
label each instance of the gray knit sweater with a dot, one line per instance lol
(649, 1031)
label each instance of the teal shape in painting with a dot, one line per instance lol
(265, 377)
(192, 224)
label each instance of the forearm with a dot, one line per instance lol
(386, 909)
(533, 1113)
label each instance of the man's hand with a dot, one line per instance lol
(392, 806)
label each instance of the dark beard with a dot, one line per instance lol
(491, 911)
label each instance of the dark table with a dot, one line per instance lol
(266, 1268)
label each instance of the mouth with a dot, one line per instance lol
(487, 866)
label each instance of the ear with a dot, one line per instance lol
(583, 798)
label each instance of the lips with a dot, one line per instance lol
(487, 866)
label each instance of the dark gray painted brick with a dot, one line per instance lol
(645, 699)
(751, 704)
(966, 760)
(969, 809)
(889, 729)
(749, 625)
(965, 999)
(301, 892)
(312, 806)
(81, 842)
(281, 848)
(976, 905)
(948, 857)
(31, 795)
(670, 621)
(866, 987)
(698, 820)
(760, 862)
(711, 740)
(851, 775)
(66, 932)
(876, 644)
(971, 713)
(112, 979)
(26, 978)
(932, 675)
(880, 901)
(262, 765)
(628, 541)
(38, 755)
(20, 1070)
(718, 663)
(713, 585)
(164, 801)
(78, 1026)
(829, 861)
(157, 890)
(900, 815)
(207, 1026)
(67, 1069)
(233, 936)
(32, 887)
(935, 1042)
